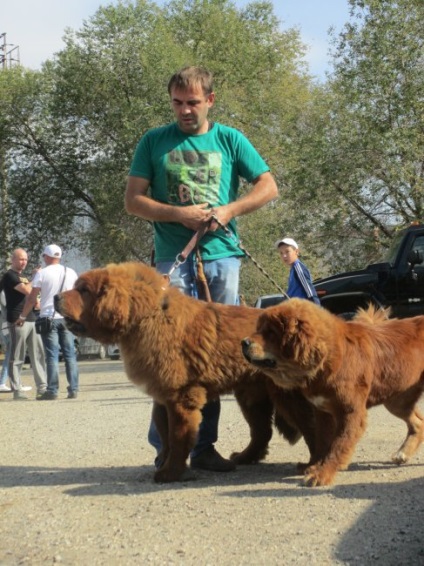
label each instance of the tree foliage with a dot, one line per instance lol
(108, 86)
(347, 154)
(363, 155)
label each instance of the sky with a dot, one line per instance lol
(37, 26)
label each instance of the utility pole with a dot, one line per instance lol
(11, 57)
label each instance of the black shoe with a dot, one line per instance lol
(47, 396)
(18, 396)
(212, 461)
(72, 395)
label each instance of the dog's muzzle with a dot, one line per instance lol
(73, 325)
(259, 362)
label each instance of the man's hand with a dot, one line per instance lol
(20, 321)
(224, 216)
(194, 216)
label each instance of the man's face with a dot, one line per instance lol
(191, 109)
(19, 260)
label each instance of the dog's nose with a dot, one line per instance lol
(245, 343)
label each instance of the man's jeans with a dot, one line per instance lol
(6, 348)
(222, 276)
(59, 334)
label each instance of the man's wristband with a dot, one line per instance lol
(22, 317)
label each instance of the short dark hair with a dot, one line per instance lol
(189, 76)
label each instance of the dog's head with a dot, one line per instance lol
(291, 342)
(106, 303)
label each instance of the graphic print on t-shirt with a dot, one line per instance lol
(193, 177)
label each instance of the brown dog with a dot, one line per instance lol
(343, 368)
(182, 351)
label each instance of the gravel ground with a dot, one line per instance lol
(76, 488)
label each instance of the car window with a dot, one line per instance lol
(419, 245)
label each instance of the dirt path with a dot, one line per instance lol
(70, 492)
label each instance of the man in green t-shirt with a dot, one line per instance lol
(181, 174)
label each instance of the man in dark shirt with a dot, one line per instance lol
(16, 287)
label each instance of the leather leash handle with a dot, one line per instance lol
(182, 256)
(203, 291)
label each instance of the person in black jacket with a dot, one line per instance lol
(22, 338)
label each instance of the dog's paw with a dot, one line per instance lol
(399, 458)
(317, 476)
(165, 475)
(301, 467)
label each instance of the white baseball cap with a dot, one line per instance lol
(288, 242)
(52, 251)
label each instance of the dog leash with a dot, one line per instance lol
(193, 243)
(247, 254)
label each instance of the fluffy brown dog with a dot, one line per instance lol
(182, 351)
(343, 368)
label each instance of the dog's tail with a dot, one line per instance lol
(372, 314)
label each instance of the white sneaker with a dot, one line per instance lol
(25, 388)
(5, 388)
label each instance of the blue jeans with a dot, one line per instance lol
(7, 351)
(222, 276)
(59, 334)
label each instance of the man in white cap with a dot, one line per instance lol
(300, 281)
(49, 281)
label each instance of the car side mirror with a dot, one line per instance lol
(415, 257)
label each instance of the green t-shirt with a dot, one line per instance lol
(192, 169)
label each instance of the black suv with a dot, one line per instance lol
(397, 282)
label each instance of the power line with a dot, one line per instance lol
(9, 53)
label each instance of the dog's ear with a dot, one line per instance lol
(308, 347)
(112, 308)
(272, 328)
(274, 325)
(293, 335)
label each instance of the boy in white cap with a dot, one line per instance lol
(300, 281)
(48, 282)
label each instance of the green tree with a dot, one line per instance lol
(22, 118)
(362, 157)
(108, 86)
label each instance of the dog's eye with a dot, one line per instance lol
(272, 333)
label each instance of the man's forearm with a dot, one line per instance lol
(149, 209)
(29, 304)
(192, 216)
(264, 191)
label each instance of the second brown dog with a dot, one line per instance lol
(343, 368)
